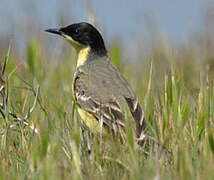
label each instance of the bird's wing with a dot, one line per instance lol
(102, 91)
(91, 100)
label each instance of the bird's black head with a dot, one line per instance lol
(81, 35)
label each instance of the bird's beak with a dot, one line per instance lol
(60, 32)
(54, 31)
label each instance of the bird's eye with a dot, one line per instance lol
(76, 31)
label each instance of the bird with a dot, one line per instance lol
(102, 94)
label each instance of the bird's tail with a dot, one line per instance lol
(140, 120)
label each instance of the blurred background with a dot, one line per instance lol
(136, 33)
(135, 24)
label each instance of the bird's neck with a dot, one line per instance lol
(87, 54)
(82, 55)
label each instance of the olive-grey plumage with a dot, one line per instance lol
(103, 91)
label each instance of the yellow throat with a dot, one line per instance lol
(82, 55)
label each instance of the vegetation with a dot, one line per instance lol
(42, 137)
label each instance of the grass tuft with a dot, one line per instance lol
(42, 136)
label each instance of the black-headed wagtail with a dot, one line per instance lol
(102, 94)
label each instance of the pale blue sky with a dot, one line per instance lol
(120, 18)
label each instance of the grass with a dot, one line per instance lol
(176, 91)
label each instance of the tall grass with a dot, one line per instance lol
(178, 98)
